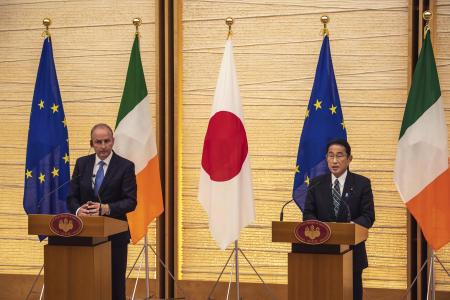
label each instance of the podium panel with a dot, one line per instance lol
(77, 272)
(77, 267)
(323, 271)
(320, 276)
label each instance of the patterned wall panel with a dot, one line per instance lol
(92, 43)
(276, 48)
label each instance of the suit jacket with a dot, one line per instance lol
(357, 194)
(118, 188)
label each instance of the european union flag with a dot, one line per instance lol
(47, 169)
(323, 122)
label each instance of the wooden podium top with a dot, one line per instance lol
(94, 226)
(341, 233)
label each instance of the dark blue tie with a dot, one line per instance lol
(99, 178)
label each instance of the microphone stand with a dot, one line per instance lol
(50, 193)
(100, 206)
(349, 214)
(284, 205)
(281, 213)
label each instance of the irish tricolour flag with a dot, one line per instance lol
(225, 188)
(421, 171)
(135, 140)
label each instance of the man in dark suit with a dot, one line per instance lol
(326, 197)
(110, 178)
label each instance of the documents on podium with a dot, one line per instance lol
(78, 266)
(320, 271)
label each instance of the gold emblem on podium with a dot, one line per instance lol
(312, 232)
(66, 225)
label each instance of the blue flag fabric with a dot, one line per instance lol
(323, 122)
(47, 169)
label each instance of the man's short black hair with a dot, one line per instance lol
(342, 142)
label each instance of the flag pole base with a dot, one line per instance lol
(165, 268)
(34, 283)
(236, 251)
(431, 289)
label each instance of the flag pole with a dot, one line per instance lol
(137, 22)
(229, 22)
(236, 258)
(325, 20)
(428, 16)
(46, 22)
(147, 287)
(228, 66)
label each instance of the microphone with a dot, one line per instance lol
(349, 214)
(342, 201)
(52, 192)
(100, 206)
(284, 205)
(281, 213)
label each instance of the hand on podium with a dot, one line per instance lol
(92, 209)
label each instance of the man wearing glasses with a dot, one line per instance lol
(342, 196)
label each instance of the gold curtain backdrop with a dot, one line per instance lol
(92, 43)
(276, 48)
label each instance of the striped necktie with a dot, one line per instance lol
(336, 196)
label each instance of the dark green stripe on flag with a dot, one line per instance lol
(135, 88)
(425, 90)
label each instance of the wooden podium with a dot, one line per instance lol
(320, 271)
(77, 267)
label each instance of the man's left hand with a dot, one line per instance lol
(94, 208)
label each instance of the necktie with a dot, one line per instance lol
(336, 196)
(99, 178)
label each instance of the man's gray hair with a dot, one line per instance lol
(101, 125)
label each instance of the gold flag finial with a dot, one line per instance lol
(229, 21)
(46, 22)
(325, 20)
(427, 16)
(137, 22)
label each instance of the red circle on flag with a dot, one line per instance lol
(225, 148)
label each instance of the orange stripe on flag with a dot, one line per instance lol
(149, 200)
(431, 209)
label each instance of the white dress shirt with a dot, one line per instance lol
(97, 165)
(94, 171)
(341, 180)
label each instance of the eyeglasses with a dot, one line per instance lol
(338, 157)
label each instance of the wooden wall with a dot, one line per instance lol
(92, 44)
(276, 47)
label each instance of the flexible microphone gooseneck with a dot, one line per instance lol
(284, 205)
(343, 202)
(349, 214)
(52, 192)
(100, 206)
